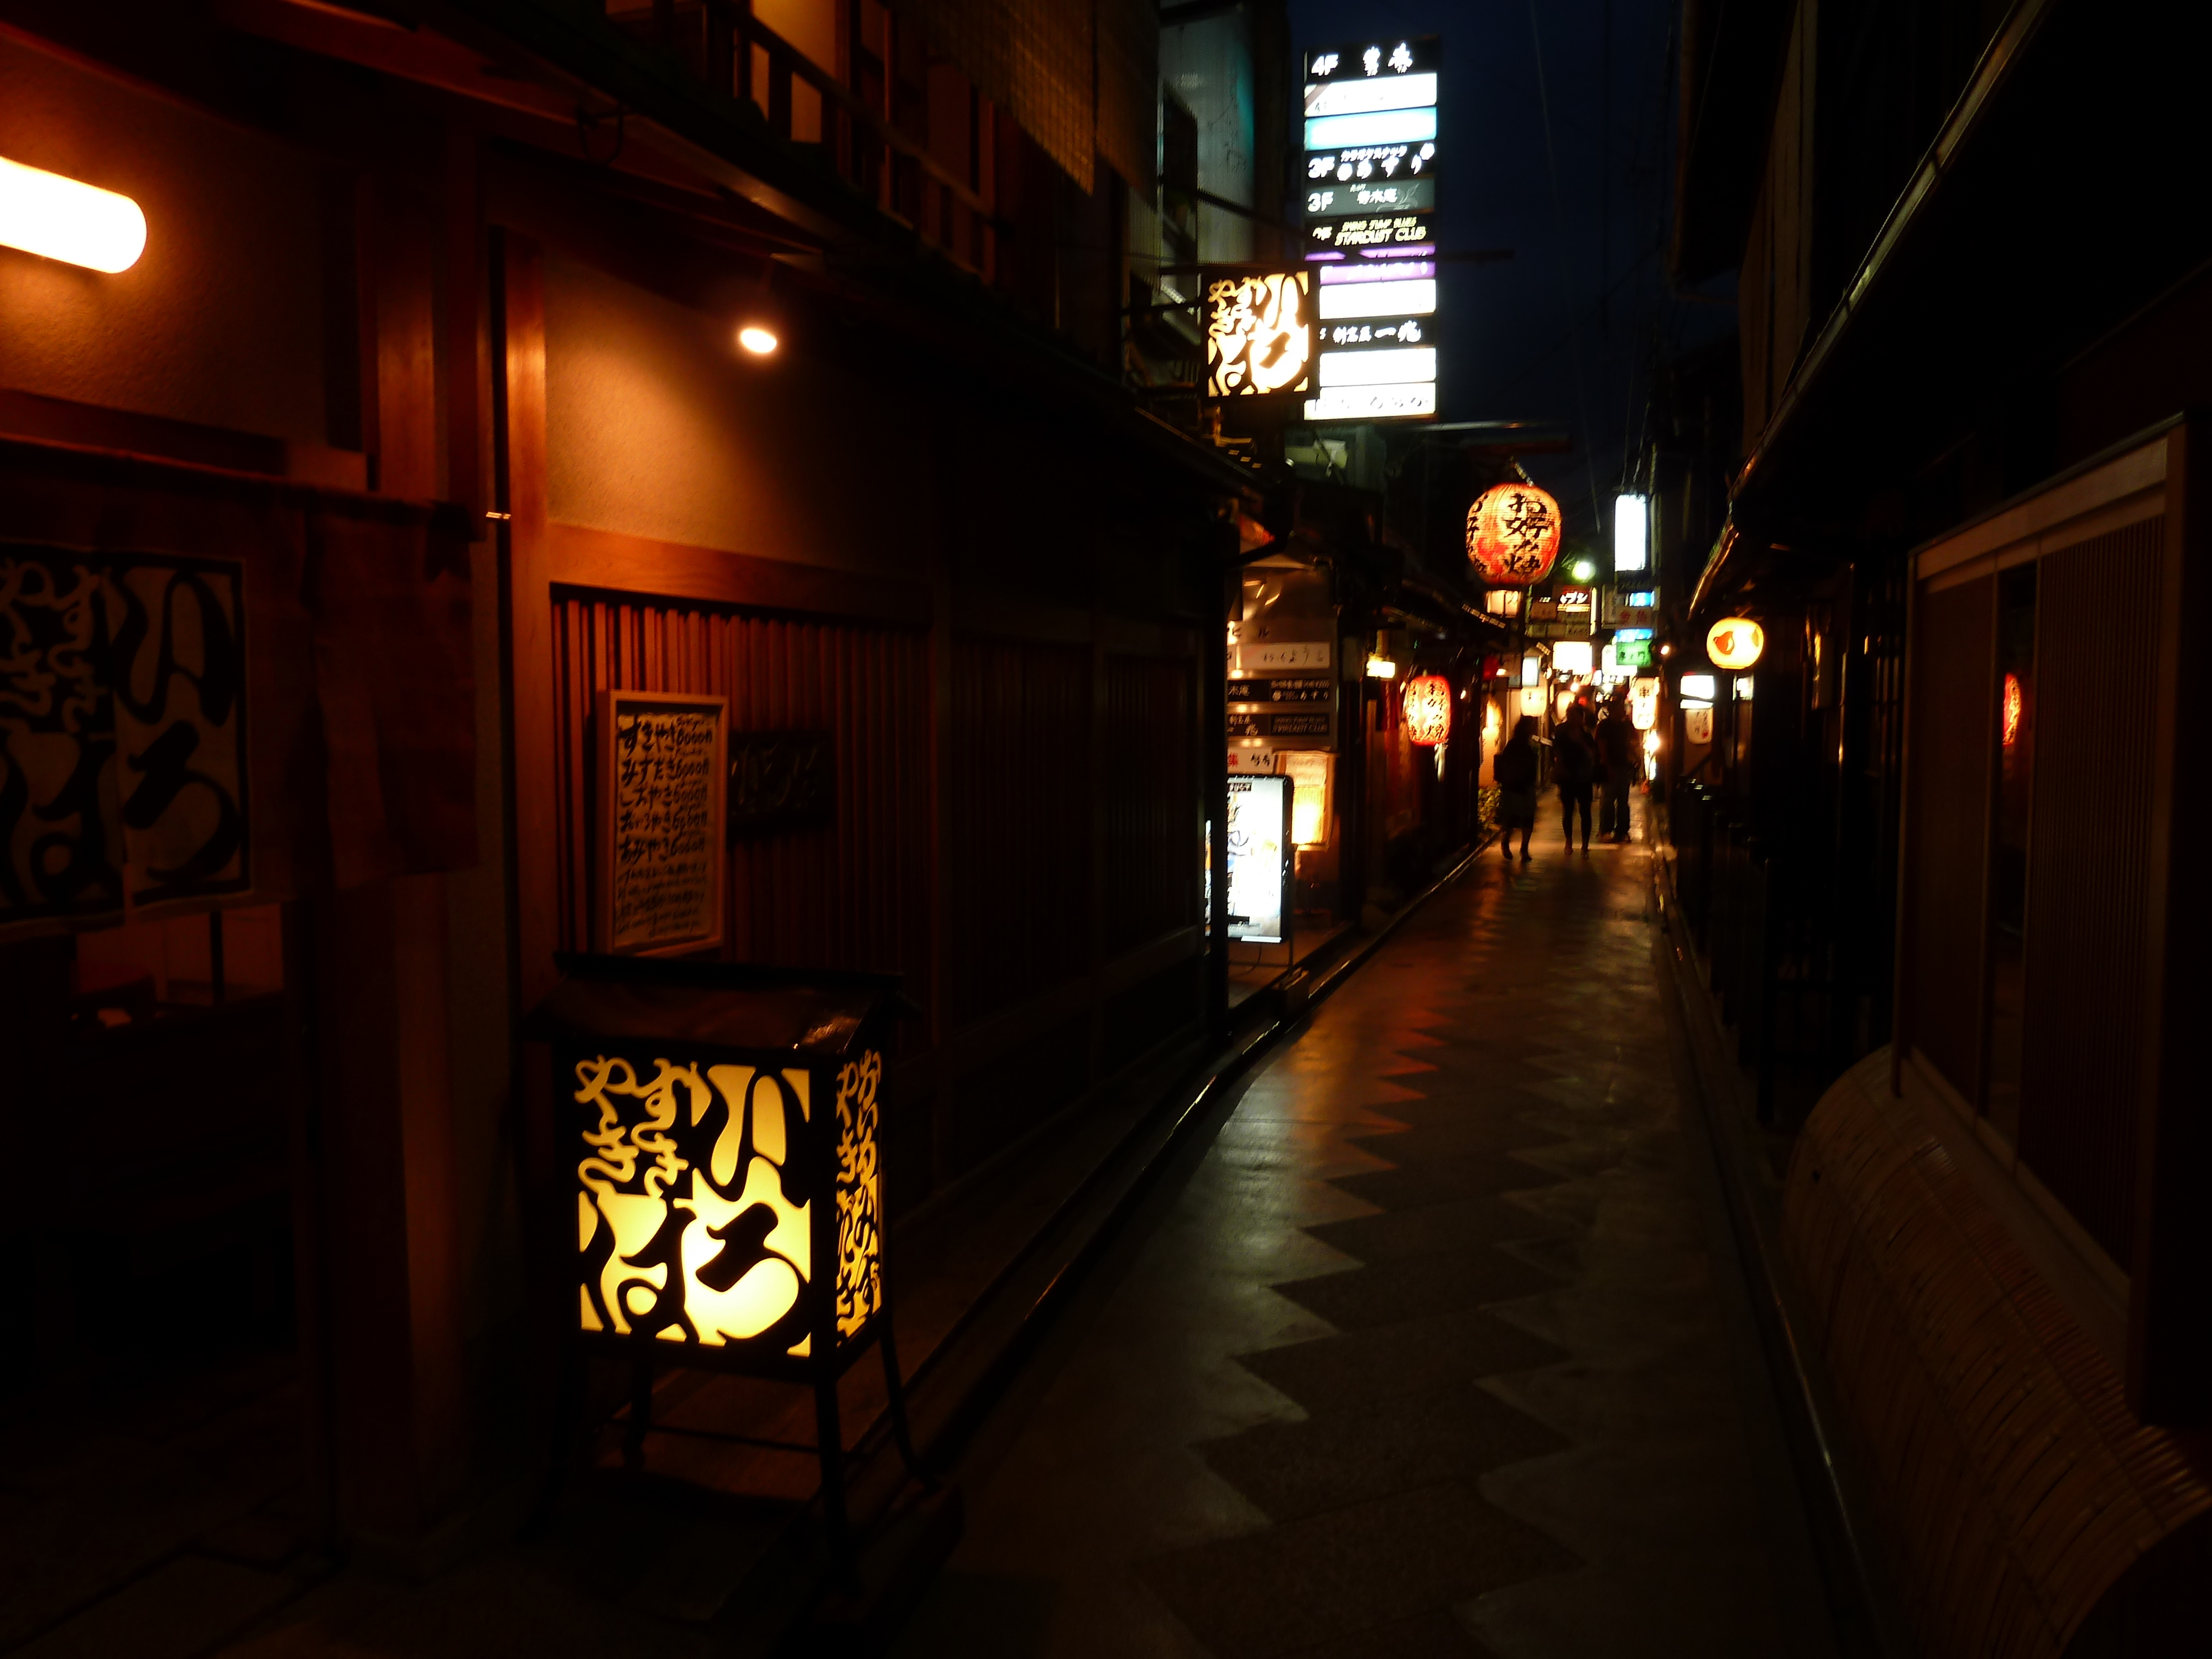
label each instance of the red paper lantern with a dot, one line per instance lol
(1428, 709)
(1513, 535)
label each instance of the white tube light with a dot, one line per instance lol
(59, 218)
(1361, 97)
(1372, 403)
(1391, 127)
(1414, 298)
(1631, 533)
(1382, 368)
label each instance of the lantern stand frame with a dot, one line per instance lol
(820, 1369)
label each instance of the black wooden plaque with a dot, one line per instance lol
(781, 781)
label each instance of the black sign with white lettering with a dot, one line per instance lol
(781, 781)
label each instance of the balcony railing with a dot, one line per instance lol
(721, 47)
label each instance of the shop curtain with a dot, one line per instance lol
(216, 686)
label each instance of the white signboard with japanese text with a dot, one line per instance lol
(1370, 130)
(1260, 859)
(662, 790)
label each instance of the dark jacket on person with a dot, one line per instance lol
(1616, 739)
(1515, 766)
(1574, 757)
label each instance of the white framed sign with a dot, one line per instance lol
(663, 792)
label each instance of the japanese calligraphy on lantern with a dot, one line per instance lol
(690, 1225)
(1258, 334)
(1428, 699)
(1513, 535)
(663, 789)
(122, 732)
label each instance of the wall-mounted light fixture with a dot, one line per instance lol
(1381, 668)
(760, 318)
(59, 218)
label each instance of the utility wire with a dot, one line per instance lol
(1560, 230)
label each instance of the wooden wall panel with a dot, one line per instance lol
(2089, 879)
(1948, 755)
(855, 896)
(1153, 849)
(1017, 826)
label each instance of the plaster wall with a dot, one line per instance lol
(657, 425)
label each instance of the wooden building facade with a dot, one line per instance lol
(1936, 862)
(428, 387)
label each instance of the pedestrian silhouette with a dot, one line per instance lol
(1616, 751)
(1515, 770)
(1574, 765)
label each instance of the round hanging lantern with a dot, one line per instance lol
(1513, 535)
(1735, 642)
(1428, 709)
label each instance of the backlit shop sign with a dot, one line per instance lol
(1371, 197)
(1358, 161)
(1385, 230)
(1371, 111)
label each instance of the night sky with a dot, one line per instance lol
(1568, 329)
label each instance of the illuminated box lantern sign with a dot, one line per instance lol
(1370, 211)
(1513, 535)
(1258, 334)
(725, 1133)
(1735, 642)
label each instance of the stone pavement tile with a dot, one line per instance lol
(1331, 1576)
(1432, 1635)
(1393, 1442)
(1407, 1287)
(513, 1602)
(182, 1610)
(1337, 1372)
(1442, 1181)
(1389, 1235)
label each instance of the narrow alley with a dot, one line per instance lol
(1437, 1347)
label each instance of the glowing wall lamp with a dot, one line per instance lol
(759, 339)
(726, 1125)
(1735, 642)
(59, 218)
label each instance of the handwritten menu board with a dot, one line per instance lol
(662, 794)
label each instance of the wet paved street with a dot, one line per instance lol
(1437, 1348)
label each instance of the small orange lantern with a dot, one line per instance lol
(1428, 709)
(1735, 642)
(1513, 535)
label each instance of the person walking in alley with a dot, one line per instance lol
(1616, 752)
(1516, 770)
(1574, 765)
